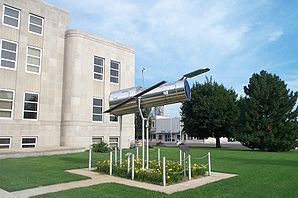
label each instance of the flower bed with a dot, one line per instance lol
(174, 171)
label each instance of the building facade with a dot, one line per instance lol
(55, 83)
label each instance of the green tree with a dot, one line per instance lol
(138, 122)
(211, 112)
(268, 118)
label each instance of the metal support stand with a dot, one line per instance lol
(147, 143)
(143, 132)
(120, 140)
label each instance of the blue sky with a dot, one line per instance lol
(172, 37)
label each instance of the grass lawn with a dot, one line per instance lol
(261, 174)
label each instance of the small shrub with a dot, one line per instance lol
(101, 147)
(174, 171)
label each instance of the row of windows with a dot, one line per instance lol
(27, 142)
(31, 141)
(9, 51)
(11, 18)
(113, 140)
(99, 69)
(30, 110)
(97, 114)
(31, 105)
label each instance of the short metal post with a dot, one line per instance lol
(90, 158)
(133, 167)
(209, 164)
(120, 140)
(164, 171)
(184, 164)
(147, 143)
(128, 164)
(180, 158)
(137, 156)
(111, 162)
(158, 155)
(189, 168)
(116, 155)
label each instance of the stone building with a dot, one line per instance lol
(55, 83)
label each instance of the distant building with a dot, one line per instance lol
(167, 129)
(55, 83)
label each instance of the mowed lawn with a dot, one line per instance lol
(261, 174)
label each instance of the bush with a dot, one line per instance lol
(174, 171)
(101, 147)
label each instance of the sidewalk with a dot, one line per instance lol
(29, 152)
(97, 178)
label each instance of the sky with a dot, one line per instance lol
(172, 37)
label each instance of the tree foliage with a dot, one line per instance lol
(268, 119)
(211, 112)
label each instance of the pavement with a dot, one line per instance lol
(97, 178)
(40, 151)
(209, 145)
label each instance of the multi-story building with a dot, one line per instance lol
(55, 83)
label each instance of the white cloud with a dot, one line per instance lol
(173, 37)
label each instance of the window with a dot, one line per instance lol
(159, 137)
(5, 142)
(113, 118)
(114, 141)
(97, 110)
(153, 123)
(167, 137)
(35, 24)
(8, 54)
(29, 142)
(96, 140)
(11, 16)
(6, 103)
(30, 106)
(98, 68)
(33, 60)
(114, 72)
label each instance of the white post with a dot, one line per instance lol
(143, 143)
(116, 155)
(120, 140)
(189, 168)
(128, 164)
(133, 167)
(209, 164)
(164, 171)
(158, 155)
(137, 156)
(147, 141)
(180, 158)
(184, 164)
(90, 159)
(111, 162)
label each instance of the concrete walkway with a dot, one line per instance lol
(97, 178)
(40, 151)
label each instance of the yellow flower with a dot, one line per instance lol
(168, 177)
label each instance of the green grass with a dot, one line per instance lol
(23, 173)
(261, 174)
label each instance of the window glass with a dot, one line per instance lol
(35, 24)
(114, 72)
(33, 59)
(6, 103)
(97, 109)
(8, 54)
(11, 16)
(30, 106)
(98, 68)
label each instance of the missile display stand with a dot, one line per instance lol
(143, 135)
